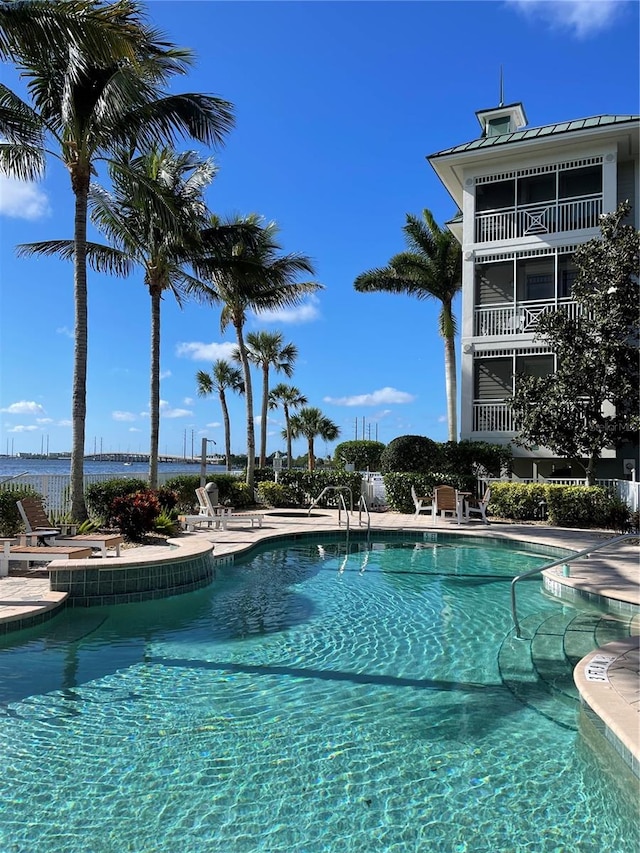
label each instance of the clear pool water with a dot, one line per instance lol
(308, 701)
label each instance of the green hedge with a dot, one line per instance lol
(305, 486)
(565, 506)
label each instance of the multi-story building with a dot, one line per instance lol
(527, 198)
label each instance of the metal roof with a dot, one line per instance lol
(533, 132)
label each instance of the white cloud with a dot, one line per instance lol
(305, 313)
(24, 407)
(165, 374)
(123, 416)
(198, 351)
(583, 17)
(376, 398)
(134, 429)
(167, 412)
(23, 428)
(22, 199)
(214, 425)
(44, 420)
(66, 331)
(188, 401)
(64, 423)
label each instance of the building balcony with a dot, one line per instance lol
(492, 416)
(537, 219)
(507, 319)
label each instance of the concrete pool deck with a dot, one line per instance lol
(608, 678)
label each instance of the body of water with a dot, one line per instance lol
(11, 466)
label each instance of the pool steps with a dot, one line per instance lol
(538, 668)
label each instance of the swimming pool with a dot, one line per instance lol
(312, 699)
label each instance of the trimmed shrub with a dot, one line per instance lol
(184, 486)
(363, 455)
(10, 520)
(518, 501)
(99, 497)
(412, 454)
(586, 506)
(566, 506)
(305, 486)
(275, 495)
(135, 514)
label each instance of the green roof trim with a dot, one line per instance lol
(534, 132)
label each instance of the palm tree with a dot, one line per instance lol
(265, 349)
(249, 274)
(87, 105)
(289, 397)
(431, 269)
(222, 377)
(29, 29)
(311, 423)
(152, 218)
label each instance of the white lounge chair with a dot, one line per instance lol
(422, 504)
(219, 516)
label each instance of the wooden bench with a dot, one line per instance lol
(37, 553)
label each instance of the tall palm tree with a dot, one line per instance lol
(152, 219)
(289, 397)
(86, 105)
(223, 377)
(431, 269)
(310, 423)
(249, 274)
(266, 350)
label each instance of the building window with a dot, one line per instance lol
(574, 183)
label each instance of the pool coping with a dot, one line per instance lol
(606, 578)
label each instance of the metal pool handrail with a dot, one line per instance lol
(326, 489)
(560, 562)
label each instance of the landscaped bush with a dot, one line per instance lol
(184, 486)
(363, 455)
(415, 454)
(305, 486)
(275, 494)
(135, 514)
(586, 506)
(99, 497)
(518, 501)
(564, 506)
(10, 520)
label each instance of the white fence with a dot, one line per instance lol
(55, 488)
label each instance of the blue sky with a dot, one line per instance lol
(337, 106)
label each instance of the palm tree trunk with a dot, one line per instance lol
(450, 376)
(248, 392)
(263, 417)
(312, 458)
(154, 403)
(227, 429)
(288, 427)
(79, 395)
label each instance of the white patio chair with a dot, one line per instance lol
(479, 507)
(422, 504)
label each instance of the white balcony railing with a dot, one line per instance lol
(492, 416)
(522, 318)
(550, 218)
